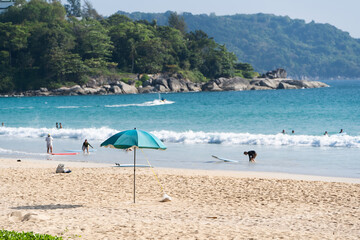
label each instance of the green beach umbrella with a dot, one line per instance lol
(134, 139)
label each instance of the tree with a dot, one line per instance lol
(12, 38)
(92, 41)
(73, 8)
(177, 22)
(88, 11)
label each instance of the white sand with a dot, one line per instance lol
(95, 202)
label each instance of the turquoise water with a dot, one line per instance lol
(202, 124)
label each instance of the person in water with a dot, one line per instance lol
(326, 133)
(252, 155)
(86, 145)
(49, 143)
(283, 131)
(341, 131)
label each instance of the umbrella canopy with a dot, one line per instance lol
(134, 138)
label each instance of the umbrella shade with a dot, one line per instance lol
(134, 138)
(131, 138)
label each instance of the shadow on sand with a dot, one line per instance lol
(48, 207)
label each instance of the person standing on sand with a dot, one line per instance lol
(49, 144)
(252, 155)
(86, 145)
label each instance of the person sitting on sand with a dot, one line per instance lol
(86, 145)
(49, 143)
(252, 155)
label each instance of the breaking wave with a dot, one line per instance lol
(191, 137)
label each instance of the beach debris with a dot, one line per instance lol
(212, 217)
(61, 169)
(19, 160)
(166, 198)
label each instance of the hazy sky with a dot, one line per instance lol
(343, 14)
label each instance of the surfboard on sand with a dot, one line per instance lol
(131, 165)
(68, 153)
(224, 159)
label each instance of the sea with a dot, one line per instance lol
(196, 126)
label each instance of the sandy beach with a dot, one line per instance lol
(95, 201)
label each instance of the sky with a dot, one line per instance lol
(343, 14)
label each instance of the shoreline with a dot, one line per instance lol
(36, 163)
(95, 201)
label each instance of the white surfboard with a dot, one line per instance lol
(224, 159)
(131, 165)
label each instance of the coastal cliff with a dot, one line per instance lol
(172, 83)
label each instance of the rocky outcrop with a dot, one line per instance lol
(176, 83)
(278, 73)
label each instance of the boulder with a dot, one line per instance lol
(62, 91)
(211, 86)
(92, 83)
(305, 83)
(148, 89)
(76, 90)
(160, 81)
(115, 89)
(147, 83)
(128, 89)
(257, 87)
(278, 73)
(283, 85)
(92, 91)
(161, 88)
(232, 84)
(193, 87)
(177, 85)
(269, 83)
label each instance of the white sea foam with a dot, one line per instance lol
(13, 152)
(60, 107)
(156, 102)
(191, 137)
(89, 133)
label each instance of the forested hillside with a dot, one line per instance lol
(268, 41)
(44, 44)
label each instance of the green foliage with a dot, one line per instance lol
(268, 42)
(177, 22)
(39, 47)
(194, 76)
(144, 77)
(12, 235)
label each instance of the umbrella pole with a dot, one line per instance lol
(134, 170)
